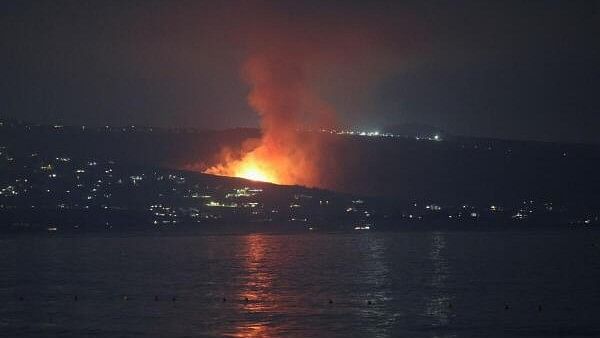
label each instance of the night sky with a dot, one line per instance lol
(508, 69)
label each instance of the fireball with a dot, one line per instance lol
(251, 167)
(253, 172)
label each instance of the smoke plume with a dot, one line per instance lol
(286, 54)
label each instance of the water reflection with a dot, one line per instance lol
(439, 303)
(255, 297)
(259, 277)
(375, 277)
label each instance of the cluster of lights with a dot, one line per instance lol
(376, 133)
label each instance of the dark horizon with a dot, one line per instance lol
(524, 70)
(256, 130)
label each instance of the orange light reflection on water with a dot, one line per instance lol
(256, 290)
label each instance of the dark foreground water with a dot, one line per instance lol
(416, 284)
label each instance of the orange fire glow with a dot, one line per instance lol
(286, 102)
(256, 166)
(255, 171)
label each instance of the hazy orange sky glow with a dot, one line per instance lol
(285, 56)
